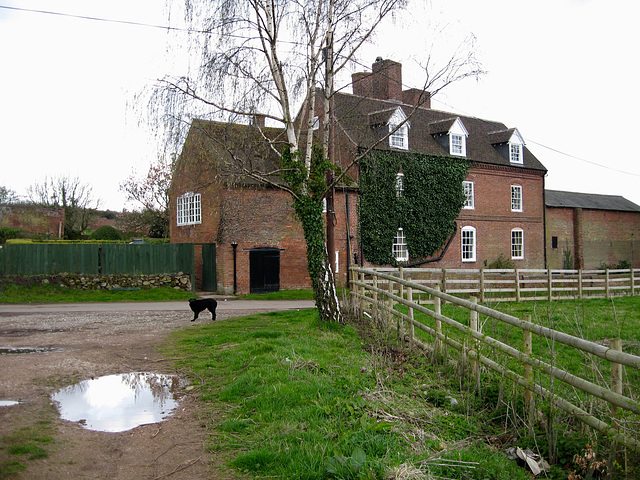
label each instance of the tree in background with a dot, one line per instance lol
(8, 196)
(75, 197)
(151, 193)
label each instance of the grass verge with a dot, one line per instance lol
(57, 294)
(292, 398)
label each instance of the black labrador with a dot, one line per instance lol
(198, 306)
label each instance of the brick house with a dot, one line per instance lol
(214, 200)
(588, 231)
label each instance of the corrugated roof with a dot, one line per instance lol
(591, 201)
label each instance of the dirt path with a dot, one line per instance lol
(92, 341)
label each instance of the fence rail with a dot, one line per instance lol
(378, 292)
(527, 284)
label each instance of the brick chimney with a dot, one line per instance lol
(385, 83)
(417, 97)
(387, 80)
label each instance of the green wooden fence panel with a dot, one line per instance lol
(107, 259)
(48, 259)
(120, 259)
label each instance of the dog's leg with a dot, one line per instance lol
(195, 315)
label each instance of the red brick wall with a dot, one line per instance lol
(33, 219)
(608, 237)
(493, 219)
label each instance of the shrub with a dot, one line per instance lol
(501, 262)
(106, 232)
(6, 233)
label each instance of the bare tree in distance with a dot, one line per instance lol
(151, 193)
(271, 57)
(75, 197)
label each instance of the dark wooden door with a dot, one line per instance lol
(264, 270)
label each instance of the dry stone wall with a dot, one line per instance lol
(179, 281)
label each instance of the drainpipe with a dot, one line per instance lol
(234, 245)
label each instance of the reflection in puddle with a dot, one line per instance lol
(116, 403)
(8, 403)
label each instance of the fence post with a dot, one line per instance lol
(607, 292)
(518, 286)
(374, 296)
(410, 312)
(363, 293)
(444, 280)
(527, 347)
(616, 373)
(473, 324)
(437, 306)
(482, 297)
(550, 275)
(580, 283)
(633, 283)
(390, 303)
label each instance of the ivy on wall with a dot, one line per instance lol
(426, 211)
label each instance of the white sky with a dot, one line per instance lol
(564, 72)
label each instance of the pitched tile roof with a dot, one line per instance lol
(557, 198)
(353, 115)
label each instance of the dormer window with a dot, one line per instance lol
(452, 135)
(458, 139)
(457, 144)
(399, 132)
(516, 148)
(510, 145)
(515, 153)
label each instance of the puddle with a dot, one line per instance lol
(8, 403)
(116, 403)
(23, 350)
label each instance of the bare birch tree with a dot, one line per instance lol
(271, 56)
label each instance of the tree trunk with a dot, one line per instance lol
(324, 287)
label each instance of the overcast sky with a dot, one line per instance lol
(564, 72)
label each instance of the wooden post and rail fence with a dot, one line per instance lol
(381, 293)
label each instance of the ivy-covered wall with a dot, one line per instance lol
(426, 211)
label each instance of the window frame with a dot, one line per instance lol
(517, 245)
(454, 146)
(400, 250)
(516, 157)
(189, 209)
(468, 249)
(399, 185)
(400, 138)
(517, 203)
(468, 189)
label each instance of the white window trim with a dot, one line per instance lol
(399, 185)
(189, 209)
(400, 250)
(469, 194)
(520, 245)
(516, 141)
(474, 237)
(516, 158)
(514, 207)
(457, 130)
(400, 138)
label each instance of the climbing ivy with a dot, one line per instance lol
(426, 211)
(307, 188)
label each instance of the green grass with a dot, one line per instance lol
(295, 399)
(57, 294)
(26, 444)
